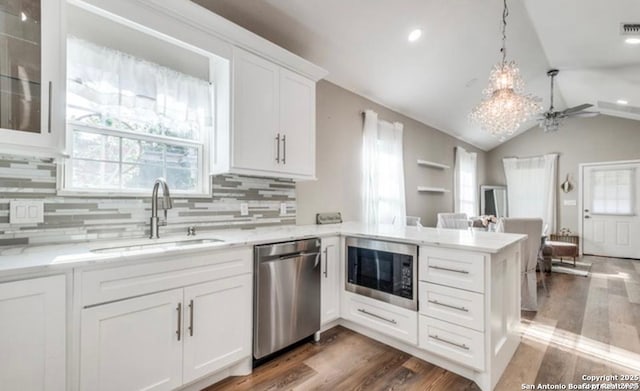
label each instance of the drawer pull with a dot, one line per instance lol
(461, 346)
(179, 330)
(436, 302)
(449, 270)
(392, 321)
(191, 309)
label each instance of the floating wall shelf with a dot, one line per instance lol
(432, 164)
(426, 189)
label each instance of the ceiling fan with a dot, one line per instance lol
(551, 119)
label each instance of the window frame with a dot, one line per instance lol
(632, 191)
(204, 189)
(206, 144)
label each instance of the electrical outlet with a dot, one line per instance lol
(26, 212)
(244, 209)
(283, 209)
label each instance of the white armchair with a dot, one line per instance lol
(533, 229)
(453, 220)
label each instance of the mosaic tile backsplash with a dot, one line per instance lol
(75, 218)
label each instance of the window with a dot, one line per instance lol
(466, 182)
(130, 121)
(382, 172)
(531, 188)
(612, 191)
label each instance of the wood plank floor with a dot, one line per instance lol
(588, 326)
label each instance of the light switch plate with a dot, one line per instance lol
(570, 203)
(26, 212)
(244, 209)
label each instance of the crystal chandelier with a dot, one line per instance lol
(505, 106)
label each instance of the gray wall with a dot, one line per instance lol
(338, 147)
(586, 140)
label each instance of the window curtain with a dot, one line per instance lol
(466, 182)
(531, 188)
(383, 172)
(148, 97)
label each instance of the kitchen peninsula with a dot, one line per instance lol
(468, 286)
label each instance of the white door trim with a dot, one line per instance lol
(581, 168)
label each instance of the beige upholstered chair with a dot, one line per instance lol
(531, 227)
(453, 220)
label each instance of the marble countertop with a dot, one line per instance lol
(29, 259)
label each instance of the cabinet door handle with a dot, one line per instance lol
(49, 106)
(179, 330)
(449, 270)
(284, 149)
(278, 148)
(191, 309)
(436, 302)
(461, 346)
(392, 321)
(326, 262)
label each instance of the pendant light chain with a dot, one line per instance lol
(505, 14)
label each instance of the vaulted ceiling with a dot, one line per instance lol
(438, 79)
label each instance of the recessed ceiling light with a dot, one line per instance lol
(415, 35)
(633, 41)
(23, 16)
(622, 102)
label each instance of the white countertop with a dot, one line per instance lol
(64, 256)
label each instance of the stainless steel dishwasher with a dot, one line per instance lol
(286, 294)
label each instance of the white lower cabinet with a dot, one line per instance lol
(164, 340)
(397, 322)
(133, 344)
(218, 322)
(32, 334)
(330, 280)
(456, 343)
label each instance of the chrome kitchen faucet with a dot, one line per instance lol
(166, 204)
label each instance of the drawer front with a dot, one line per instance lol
(457, 269)
(455, 343)
(116, 283)
(452, 305)
(385, 318)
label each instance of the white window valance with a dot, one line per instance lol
(115, 86)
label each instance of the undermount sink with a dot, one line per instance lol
(165, 245)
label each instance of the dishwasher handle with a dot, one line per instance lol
(294, 256)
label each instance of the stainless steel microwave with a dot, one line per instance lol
(385, 271)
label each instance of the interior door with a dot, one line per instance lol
(611, 207)
(217, 325)
(134, 344)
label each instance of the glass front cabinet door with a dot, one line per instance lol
(30, 81)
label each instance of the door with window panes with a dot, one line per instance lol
(610, 215)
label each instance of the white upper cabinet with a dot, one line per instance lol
(273, 122)
(31, 82)
(297, 124)
(255, 113)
